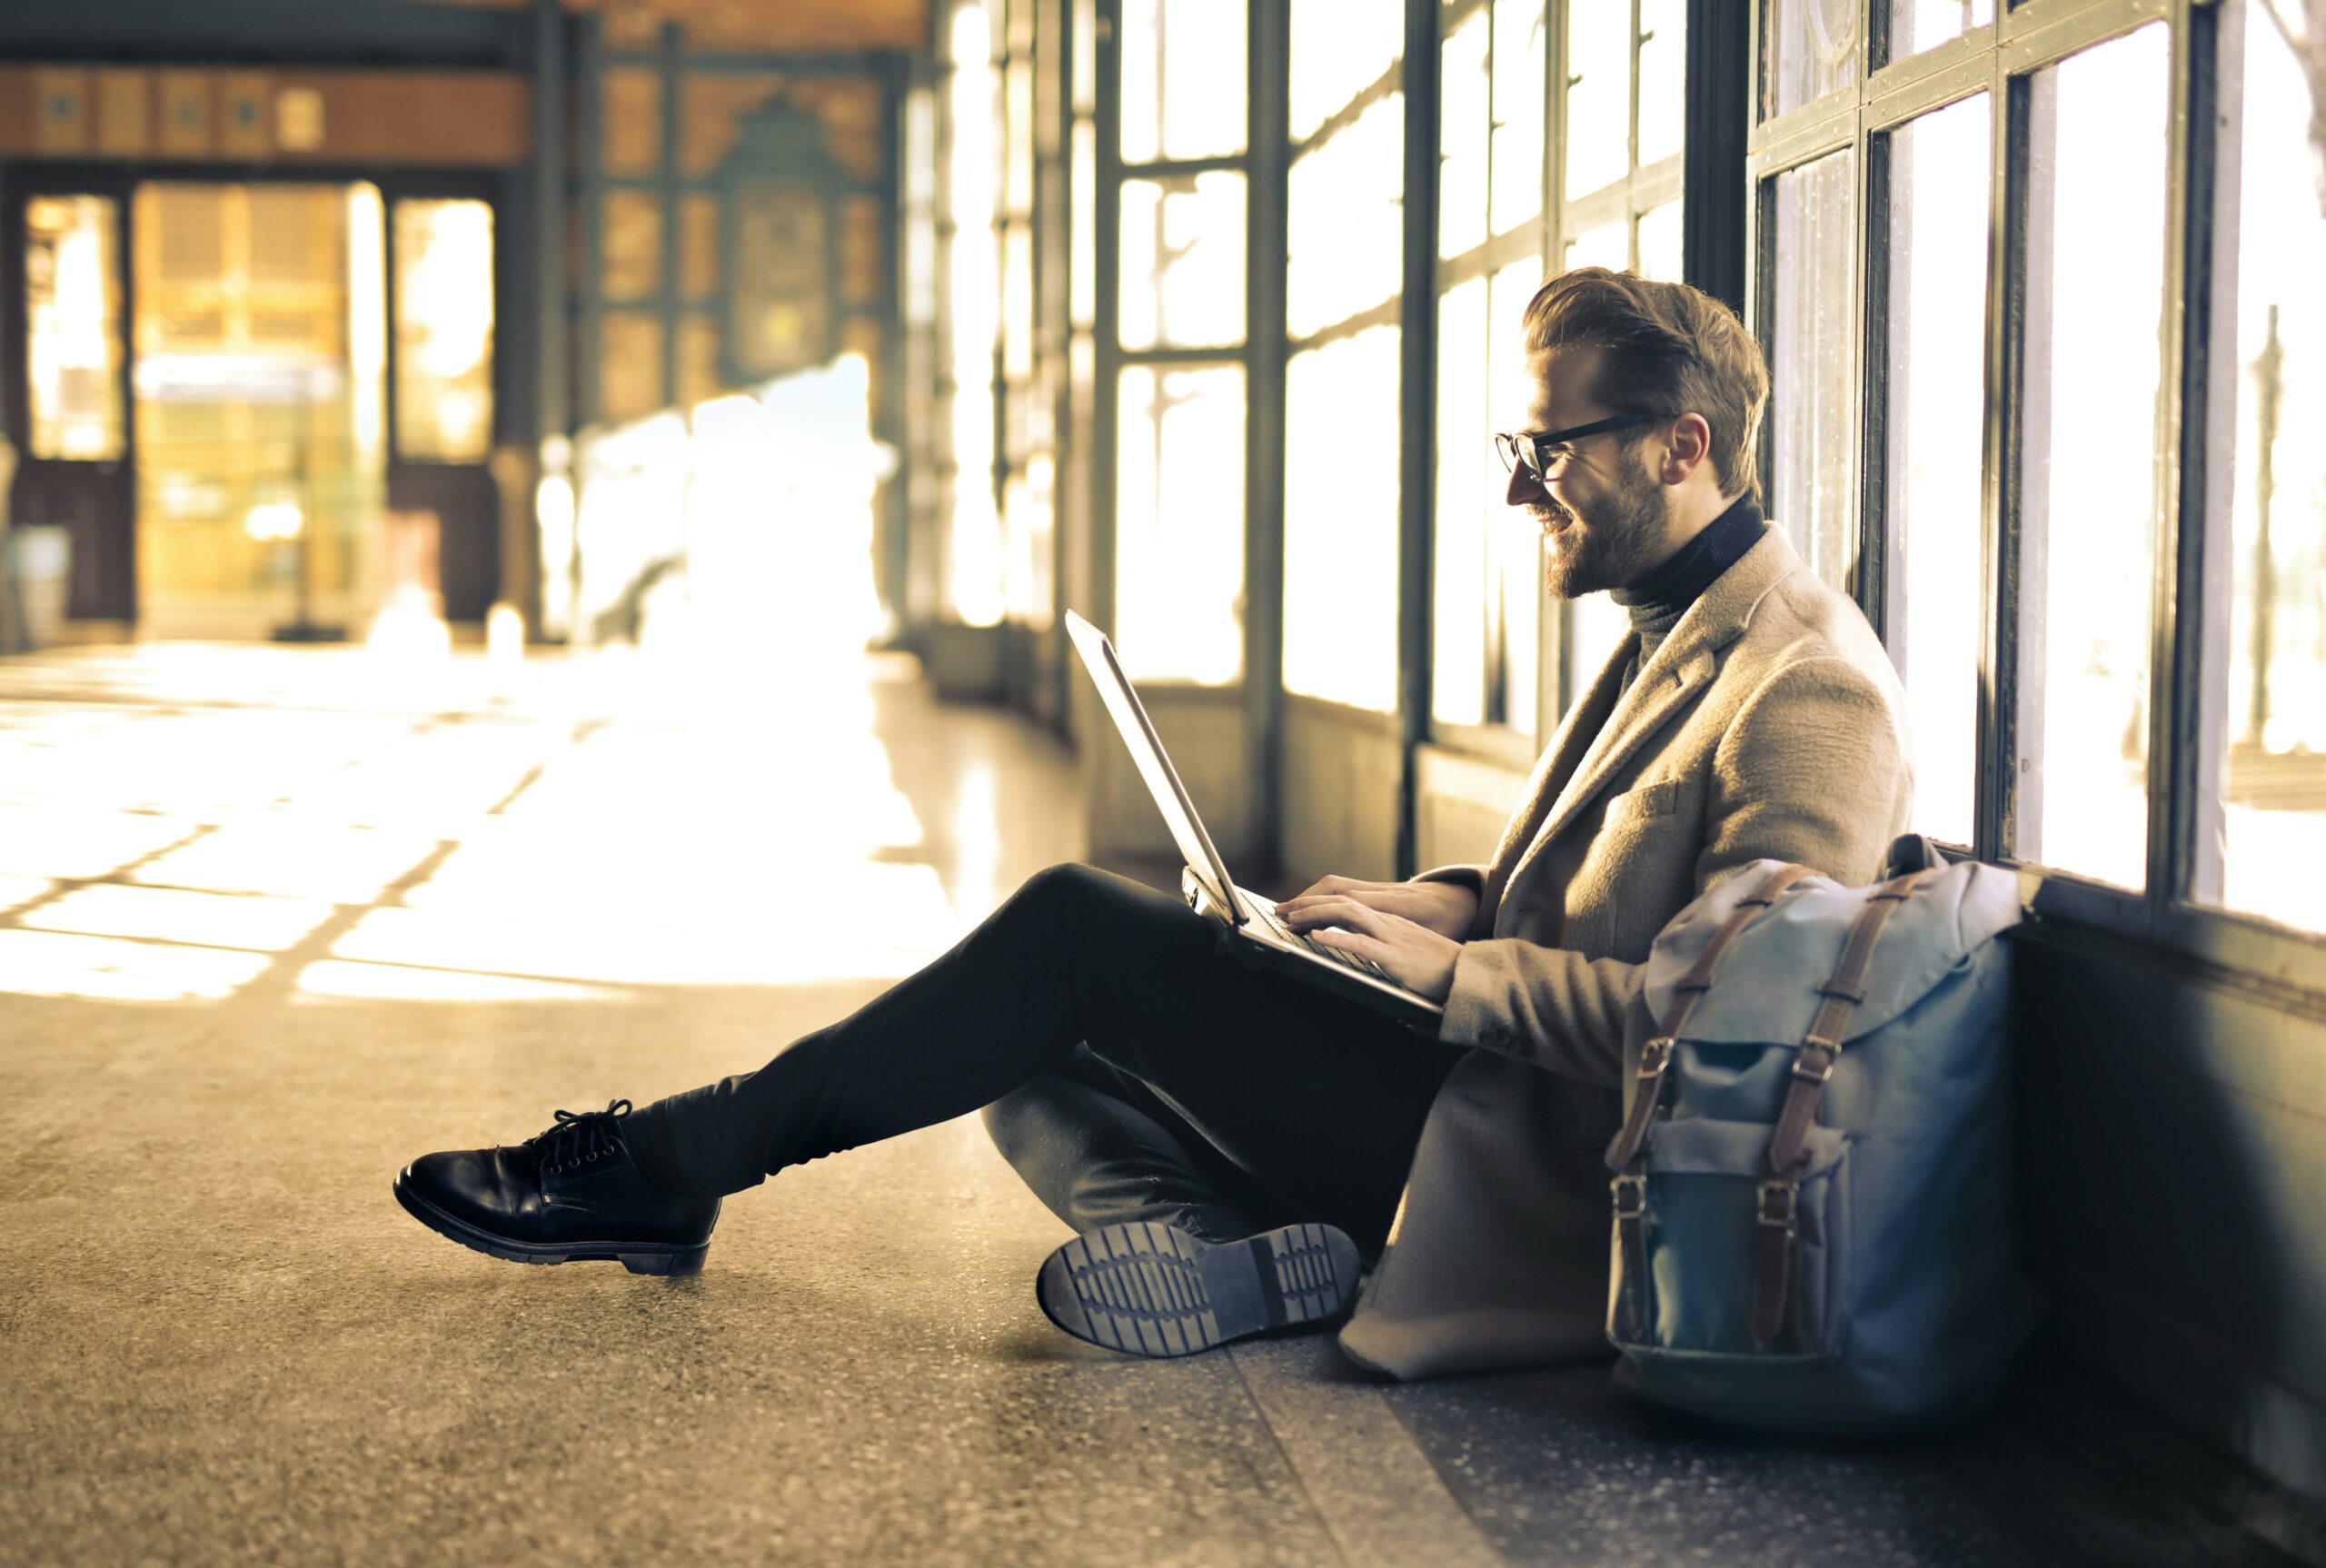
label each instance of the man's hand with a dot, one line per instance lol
(1444, 908)
(1412, 929)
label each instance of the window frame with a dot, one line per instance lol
(2196, 408)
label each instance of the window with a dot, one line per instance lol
(2099, 150)
(1937, 260)
(1619, 206)
(1940, 437)
(444, 330)
(1180, 324)
(72, 327)
(1808, 329)
(1345, 227)
(2266, 644)
(973, 552)
(1488, 573)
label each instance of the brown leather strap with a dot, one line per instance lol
(1628, 1156)
(1812, 1065)
(1656, 1057)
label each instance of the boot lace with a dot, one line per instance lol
(582, 1138)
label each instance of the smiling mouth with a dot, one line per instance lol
(1553, 522)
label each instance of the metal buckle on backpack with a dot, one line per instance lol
(1776, 1207)
(1654, 1056)
(1821, 1069)
(1631, 1196)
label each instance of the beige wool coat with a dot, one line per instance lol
(1770, 724)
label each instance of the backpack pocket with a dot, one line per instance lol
(1700, 1238)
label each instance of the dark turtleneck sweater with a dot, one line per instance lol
(1659, 600)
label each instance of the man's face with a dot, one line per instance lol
(1604, 516)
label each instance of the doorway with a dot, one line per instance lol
(259, 394)
(254, 408)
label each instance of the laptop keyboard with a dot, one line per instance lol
(1340, 956)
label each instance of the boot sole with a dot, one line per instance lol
(1146, 1288)
(638, 1258)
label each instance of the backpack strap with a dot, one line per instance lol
(1812, 1065)
(1627, 1156)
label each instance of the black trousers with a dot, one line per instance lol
(1128, 1069)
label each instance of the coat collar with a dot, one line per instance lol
(1679, 670)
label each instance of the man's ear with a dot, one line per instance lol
(1690, 446)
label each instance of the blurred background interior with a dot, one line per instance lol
(497, 490)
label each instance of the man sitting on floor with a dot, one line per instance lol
(1243, 1141)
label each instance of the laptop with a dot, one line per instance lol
(1260, 939)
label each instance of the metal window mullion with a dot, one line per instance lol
(2197, 422)
(1106, 306)
(670, 58)
(1418, 366)
(1559, 686)
(590, 128)
(1995, 830)
(1875, 560)
(1268, 108)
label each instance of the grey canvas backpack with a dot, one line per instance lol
(1812, 1230)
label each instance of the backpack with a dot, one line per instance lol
(1812, 1231)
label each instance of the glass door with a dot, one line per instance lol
(63, 263)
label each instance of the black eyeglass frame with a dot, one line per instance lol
(1526, 447)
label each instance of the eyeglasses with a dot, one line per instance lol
(1543, 455)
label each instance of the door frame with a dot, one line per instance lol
(119, 180)
(114, 600)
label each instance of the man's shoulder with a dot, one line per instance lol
(1803, 618)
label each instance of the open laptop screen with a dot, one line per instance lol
(1162, 780)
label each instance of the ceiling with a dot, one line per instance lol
(754, 26)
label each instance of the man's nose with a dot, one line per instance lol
(1525, 489)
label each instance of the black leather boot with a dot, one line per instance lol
(571, 1194)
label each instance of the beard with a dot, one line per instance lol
(1616, 545)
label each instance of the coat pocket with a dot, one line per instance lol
(1701, 1234)
(1649, 800)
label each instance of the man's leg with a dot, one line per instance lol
(1320, 1098)
(1100, 1147)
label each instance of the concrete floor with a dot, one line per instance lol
(274, 922)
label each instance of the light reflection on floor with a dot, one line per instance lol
(189, 821)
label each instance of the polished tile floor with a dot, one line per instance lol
(273, 922)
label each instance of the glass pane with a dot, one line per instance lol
(261, 320)
(1519, 38)
(1466, 495)
(1808, 48)
(1937, 416)
(1183, 260)
(2097, 168)
(443, 330)
(1813, 391)
(1464, 129)
(1659, 243)
(1597, 624)
(1082, 268)
(1514, 545)
(631, 245)
(1604, 246)
(72, 327)
(973, 545)
(1340, 522)
(630, 365)
(1017, 132)
(2271, 676)
(1340, 48)
(1346, 219)
(1662, 78)
(1183, 78)
(1598, 96)
(1179, 524)
(1919, 24)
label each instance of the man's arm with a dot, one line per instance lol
(1812, 771)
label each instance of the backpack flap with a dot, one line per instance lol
(1764, 986)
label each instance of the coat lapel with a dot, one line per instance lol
(1680, 669)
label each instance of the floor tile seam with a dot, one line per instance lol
(1395, 1468)
(1299, 1478)
(66, 886)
